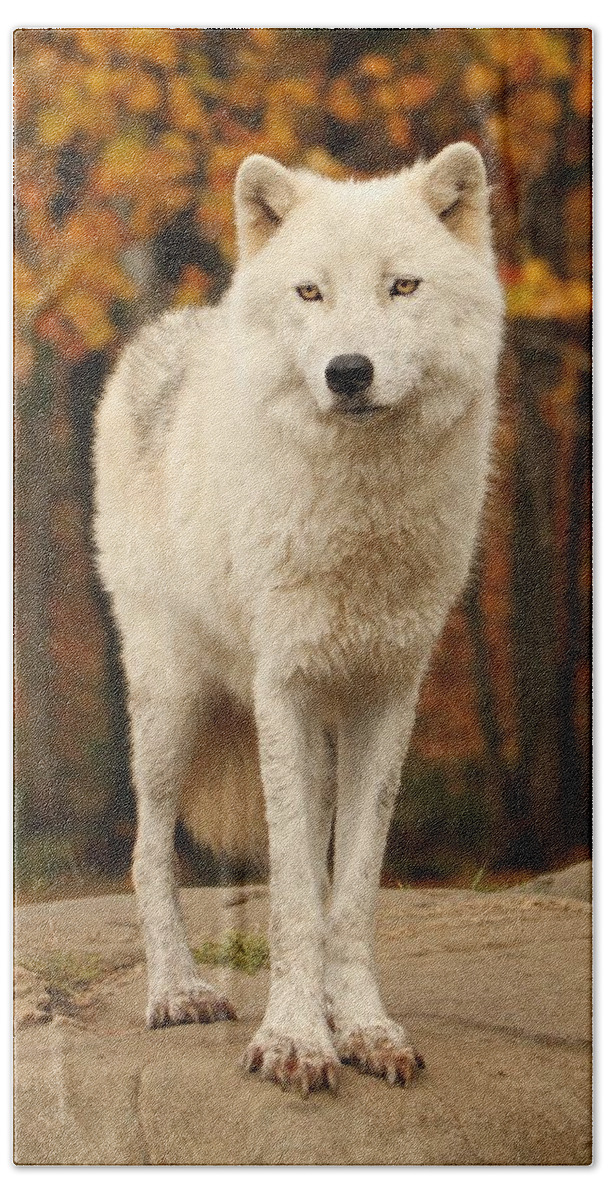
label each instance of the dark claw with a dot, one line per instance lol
(254, 1061)
(191, 1011)
(223, 1011)
(286, 1068)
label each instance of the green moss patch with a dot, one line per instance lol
(244, 951)
(67, 972)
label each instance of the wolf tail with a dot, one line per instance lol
(222, 803)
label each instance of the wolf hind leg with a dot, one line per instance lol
(164, 702)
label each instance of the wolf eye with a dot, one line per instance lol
(309, 291)
(404, 287)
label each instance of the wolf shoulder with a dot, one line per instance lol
(153, 452)
(156, 370)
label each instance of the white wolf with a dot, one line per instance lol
(288, 493)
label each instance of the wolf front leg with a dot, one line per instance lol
(162, 729)
(372, 745)
(293, 1044)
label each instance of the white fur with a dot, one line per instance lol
(267, 551)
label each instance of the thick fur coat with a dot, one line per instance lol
(289, 488)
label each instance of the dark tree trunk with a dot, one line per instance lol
(538, 835)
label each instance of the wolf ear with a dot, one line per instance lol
(456, 189)
(263, 195)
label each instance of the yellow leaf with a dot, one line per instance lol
(480, 82)
(124, 160)
(552, 48)
(143, 93)
(399, 130)
(375, 66)
(26, 286)
(318, 159)
(156, 45)
(89, 318)
(23, 359)
(99, 80)
(265, 39)
(95, 43)
(193, 287)
(386, 97)
(184, 107)
(581, 94)
(97, 272)
(343, 103)
(55, 127)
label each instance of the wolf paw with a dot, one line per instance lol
(375, 1051)
(291, 1063)
(194, 1004)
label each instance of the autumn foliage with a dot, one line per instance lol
(127, 143)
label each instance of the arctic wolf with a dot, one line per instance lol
(288, 494)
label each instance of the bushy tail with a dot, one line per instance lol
(223, 804)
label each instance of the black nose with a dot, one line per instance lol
(349, 373)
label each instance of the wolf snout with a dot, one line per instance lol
(348, 374)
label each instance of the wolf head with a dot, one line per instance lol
(362, 301)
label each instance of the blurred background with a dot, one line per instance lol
(127, 142)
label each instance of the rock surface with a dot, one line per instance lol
(574, 883)
(494, 987)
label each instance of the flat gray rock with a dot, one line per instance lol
(574, 882)
(495, 988)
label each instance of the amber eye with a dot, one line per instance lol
(309, 291)
(404, 287)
